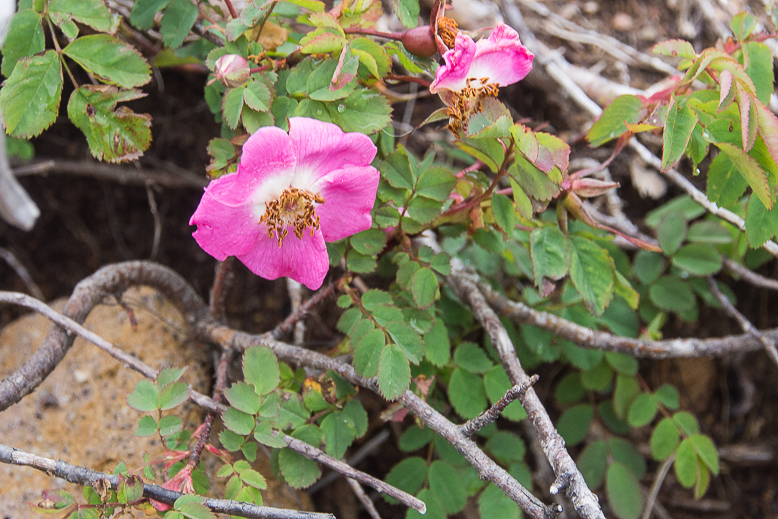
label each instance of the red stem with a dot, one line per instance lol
(233, 13)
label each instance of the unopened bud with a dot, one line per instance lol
(589, 187)
(232, 70)
(420, 41)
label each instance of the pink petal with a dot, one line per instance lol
(267, 153)
(349, 195)
(304, 260)
(453, 75)
(322, 147)
(224, 230)
(502, 58)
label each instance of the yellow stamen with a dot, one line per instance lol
(468, 102)
(447, 30)
(294, 207)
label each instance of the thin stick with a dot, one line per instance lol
(745, 324)
(222, 283)
(157, 223)
(364, 499)
(664, 468)
(22, 272)
(317, 298)
(361, 453)
(471, 427)
(86, 477)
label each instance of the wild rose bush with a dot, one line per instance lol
(307, 182)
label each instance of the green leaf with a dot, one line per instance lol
(407, 339)
(263, 433)
(394, 372)
(178, 20)
(425, 288)
(622, 363)
(253, 478)
(574, 423)
(373, 298)
(113, 134)
(414, 438)
(260, 369)
(470, 357)
(298, 471)
(597, 378)
(610, 125)
(504, 212)
(367, 353)
(93, 13)
(532, 181)
(761, 223)
(592, 463)
(706, 451)
(407, 12)
(684, 203)
(494, 504)
(110, 59)
(243, 397)
(338, 434)
(627, 390)
(687, 422)
(760, 69)
(751, 171)
(686, 463)
(592, 273)
(441, 263)
(623, 491)
(676, 48)
(173, 395)
(369, 242)
(238, 421)
(25, 38)
(570, 390)
(664, 439)
(435, 508)
(145, 397)
(257, 95)
(698, 259)
(194, 510)
(360, 263)
(147, 426)
(356, 416)
(643, 410)
(506, 447)
(29, 99)
(408, 475)
(709, 232)
(170, 425)
(232, 106)
(466, 393)
(436, 183)
(725, 183)
(550, 252)
(678, 130)
(672, 231)
(447, 484)
(143, 12)
(365, 111)
(437, 344)
(668, 396)
(672, 293)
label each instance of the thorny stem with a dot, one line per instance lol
(493, 413)
(412, 79)
(233, 13)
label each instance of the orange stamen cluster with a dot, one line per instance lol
(447, 30)
(468, 102)
(294, 207)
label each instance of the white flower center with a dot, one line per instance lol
(294, 207)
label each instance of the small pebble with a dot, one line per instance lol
(622, 22)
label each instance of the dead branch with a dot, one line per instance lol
(86, 477)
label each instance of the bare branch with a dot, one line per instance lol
(745, 324)
(594, 339)
(471, 427)
(22, 272)
(317, 298)
(364, 499)
(83, 476)
(584, 500)
(659, 478)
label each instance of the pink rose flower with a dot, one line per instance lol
(475, 70)
(291, 194)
